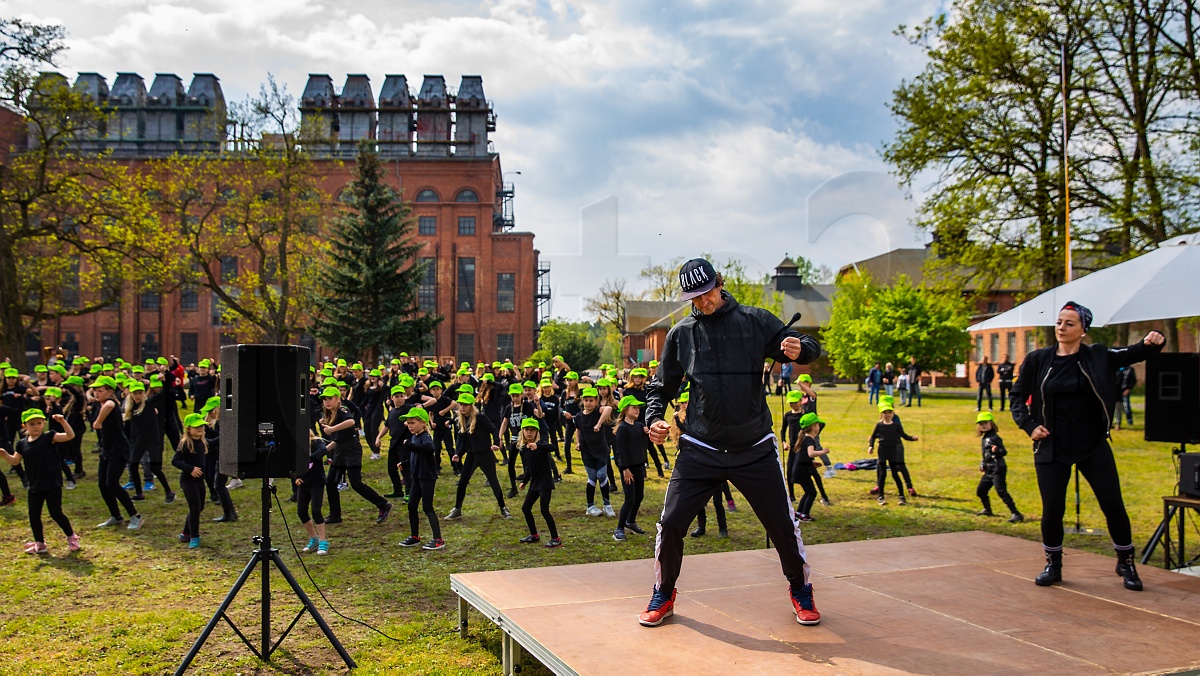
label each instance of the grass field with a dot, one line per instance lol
(133, 602)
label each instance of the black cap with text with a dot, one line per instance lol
(696, 277)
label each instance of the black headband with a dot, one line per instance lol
(1085, 315)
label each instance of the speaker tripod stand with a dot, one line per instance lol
(267, 556)
(1163, 525)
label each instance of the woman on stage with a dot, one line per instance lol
(1063, 401)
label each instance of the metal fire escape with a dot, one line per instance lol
(543, 292)
(502, 218)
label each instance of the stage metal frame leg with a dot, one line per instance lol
(462, 617)
(510, 655)
(1159, 533)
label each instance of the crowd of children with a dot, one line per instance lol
(534, 416)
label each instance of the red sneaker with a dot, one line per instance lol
(661, 607)
(804, 605)
(875, 491)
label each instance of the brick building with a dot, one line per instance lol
(484, 277)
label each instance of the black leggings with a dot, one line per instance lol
(568, 437)
(527, 509)
(1100, 470)
(310, 495)
(999, 479)
(108, 475)
(354, 477)
(193, 492)
(394, 472)
(488, 467)
(52, 499)
(421, 491)
(634, 492)
(802, 474)
(4, 489)
(881, 468)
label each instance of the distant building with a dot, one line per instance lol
(484, 277)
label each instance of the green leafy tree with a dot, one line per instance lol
(871, 323)
(663, 279)
(748, 290)
(68, 222)
(572, 341)
(368, 301)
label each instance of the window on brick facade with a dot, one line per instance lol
(505, 346)
(149, 301)
(466, 284)
(506, 292)
(189, 298)
(427, 290)
(466, 195)
(427, 225)
(466, 347)
(427, 195)
(229, 268)
(466, 225)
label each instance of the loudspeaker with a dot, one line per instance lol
(1173, 398)
(1189, 474)
(264, 410)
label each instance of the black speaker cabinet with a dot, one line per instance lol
(264, 410)
(1189, 474)
(1173, 398)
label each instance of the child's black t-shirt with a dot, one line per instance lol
(42, 462)
(802, 457)
(592, 444)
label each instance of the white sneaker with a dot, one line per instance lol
(608, 511)
(593, 510)
(375, 456)
(70, 485)
(830, 473)
(233, 483)
(112, 521)
(135, 522)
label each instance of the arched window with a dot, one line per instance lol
(427, 195)
(346, 196)
(466, 195)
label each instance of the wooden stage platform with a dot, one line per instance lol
(956, 603)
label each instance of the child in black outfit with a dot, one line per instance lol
(42, 469)
(789, 432)
(423, 468)
(889, 432)
(310, 488)
(190, 459)
(994, 468)
(535, 458)
(802, 469)
(630, 451)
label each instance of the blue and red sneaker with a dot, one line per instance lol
(804, 605)
(661, 607)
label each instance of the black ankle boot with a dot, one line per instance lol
(1127, 570)
(1053, 571)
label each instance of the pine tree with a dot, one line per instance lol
(367, 297)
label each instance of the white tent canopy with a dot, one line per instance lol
(1161, 284)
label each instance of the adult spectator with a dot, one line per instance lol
(1067, 416)
(984, 375)
(727, 435)
(874, 382)
(1126, 380)
(1004, 371)
(889, 378)
(784, 385)
(914, 381)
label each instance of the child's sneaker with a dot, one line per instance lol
(169, 497)
(903, 501)
(128, 485)
(111, 521)
(73, 542)
(8, 500)
(619, 535)
(434, 544)
(732, 505)
(804, 517)
(830, 473)
(593, 510)
(875, 490)
(71, 485)
(634, 528)
(135, 522)
(148, 486)
(312, 544)
(410, 541)
(554, 542)
(608, 510)
(194, 543)
(882, 500)
(184, 537)
(36, 548)
(323, 548)
(825, 502)
(912, 491)
(532, 537)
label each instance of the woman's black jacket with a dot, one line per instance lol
(1099, 364)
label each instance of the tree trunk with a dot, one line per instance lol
(12, 328)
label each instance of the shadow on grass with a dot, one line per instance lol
(72, 563)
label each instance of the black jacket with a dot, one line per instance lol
(721, 357)
(1099, 363)
(984, 374)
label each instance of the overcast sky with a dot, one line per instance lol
(711, 122)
